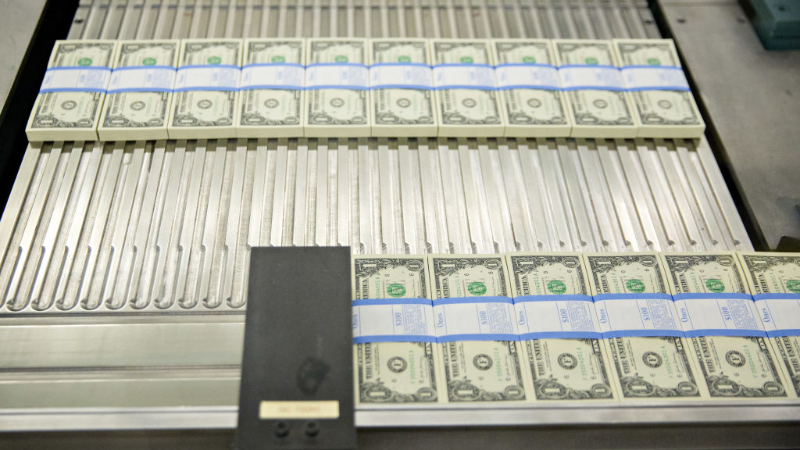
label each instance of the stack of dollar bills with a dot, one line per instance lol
(663, 102)
(653, 362)
(401, 99)
(346, 87)
(395, 372)
(729, 344)
(71, 97)
(532, 102)
(573, 328)
(140, 91)
(271, 98)
(564, 351)
(337, 84)
(479, 370)
(596, 98)
(774, 281)
(465, 85)
(205, 99)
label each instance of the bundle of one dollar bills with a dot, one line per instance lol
(479, 370)
(395, 372)
(565, 352)
(596, 99)
(346, 87)
(401, 99)
(205, 99)
(463, 76)
(653, 362)
(729, 344)
(532, 102)
(71, 97)
(140, 91)
(774, 281)
(271, 98)
(658, 88)
(561, 302)
(337, 84)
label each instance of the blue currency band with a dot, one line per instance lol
(459, 300)
(552, 298)
(650, 296)
(120, 69)
(391, 301)
(784, 332)
(279, 87)
(643, 333)
(776, 297)
(560, 335)
(478, 337)
(712, 295)
(417, 87)
(725, 332)
(395, 338)
(147, 89)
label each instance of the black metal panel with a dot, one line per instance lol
(297, 350)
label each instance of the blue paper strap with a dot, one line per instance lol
(552, 298)
(659, 296)
(392, 301)
(643, 333)
(477, 337)
(488, 299)
(570, 334)
(418, 87)
(712, 295)
(560, 335)
(395, 338)
(724, 332)
(787, 296)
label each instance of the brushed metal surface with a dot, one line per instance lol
(155, 343)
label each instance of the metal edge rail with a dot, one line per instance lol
(224, 417)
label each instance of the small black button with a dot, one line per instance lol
(281, 429)
(312, 429)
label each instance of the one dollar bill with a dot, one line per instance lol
(402, 111)
(395, 372)
(661, 113)
(341, 112)
(273, 112)
(206, 113)
(563, 369)
(466, 112)
(657, 367)
(733, 366)
(596, 112)
(531, 112)
(71, 115)
(777, 273)
(478, 371)
(139, 114)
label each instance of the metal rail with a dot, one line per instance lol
(167, 226)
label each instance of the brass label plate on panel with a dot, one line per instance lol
(328, 409)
